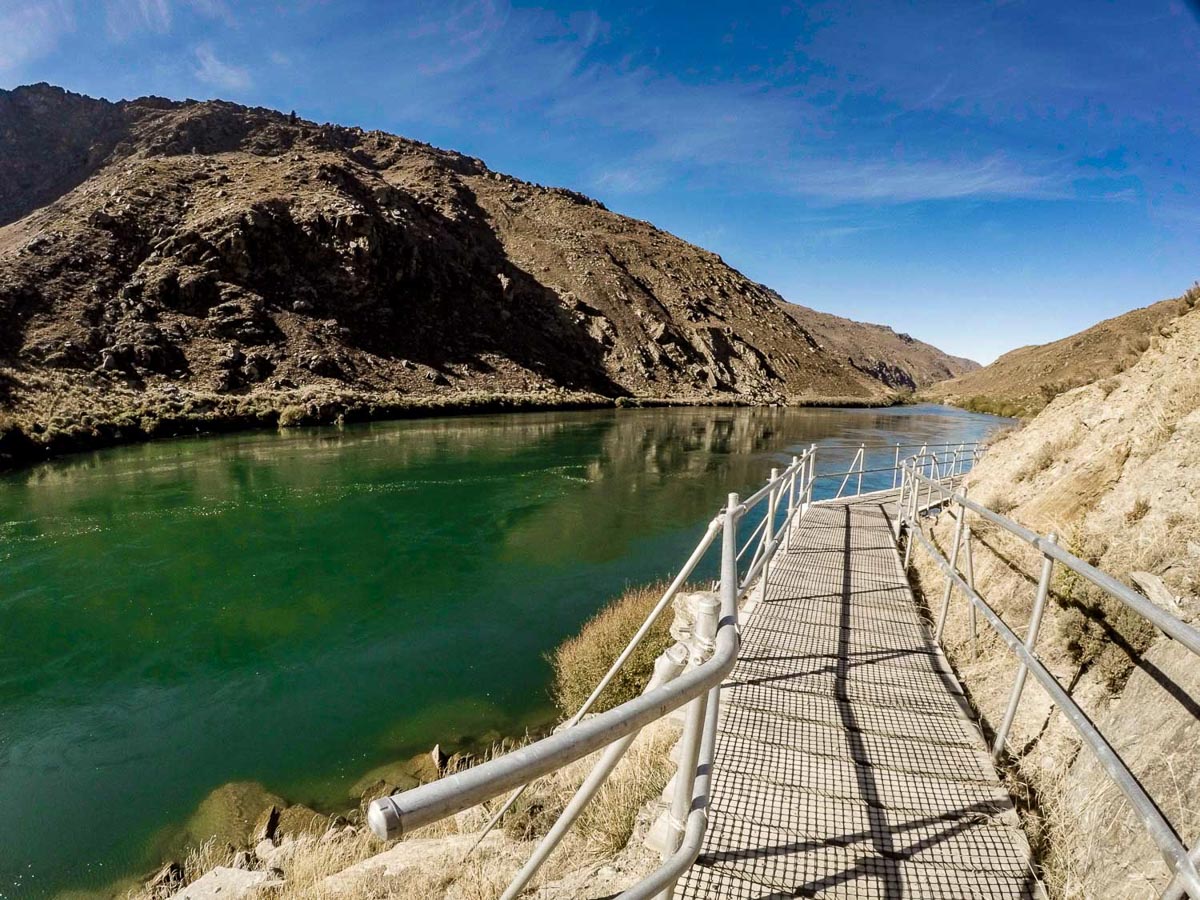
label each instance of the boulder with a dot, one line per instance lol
(226, 883)
(231, 812)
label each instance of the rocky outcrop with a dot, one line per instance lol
(236, 252)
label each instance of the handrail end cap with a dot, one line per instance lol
(383, 818)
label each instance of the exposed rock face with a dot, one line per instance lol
(897, 360)
(240, 251)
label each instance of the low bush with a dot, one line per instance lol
(581, 661)
(292, 416)
(1138, 512)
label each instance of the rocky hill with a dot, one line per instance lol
(1023, 381)
(898, 360)
(1112, 468)
(167, 266)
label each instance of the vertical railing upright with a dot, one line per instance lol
(862, 464)
(812, 475)
(791, 503)
(693, 731)
(768, 534)
(949, 589)
(969, 571)
(896, 466)
(1031, 636)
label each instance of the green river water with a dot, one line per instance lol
(299, 608)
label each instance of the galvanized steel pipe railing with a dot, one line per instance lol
(1181, 862)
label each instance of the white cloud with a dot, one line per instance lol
(125, 18)
(629, 179)
(895, 181)
(30, 30)
(212, 70)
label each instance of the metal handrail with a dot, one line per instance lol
(712, 649)
(1181, 862)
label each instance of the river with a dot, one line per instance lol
(297, 608)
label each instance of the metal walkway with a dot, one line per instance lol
(846, 764)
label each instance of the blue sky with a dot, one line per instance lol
(980, 175)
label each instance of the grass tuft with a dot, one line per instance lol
(581, 661)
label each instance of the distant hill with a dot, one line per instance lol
(1022, 381)
(898, 360)
(167, 266)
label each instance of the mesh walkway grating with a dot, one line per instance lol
(846, 764)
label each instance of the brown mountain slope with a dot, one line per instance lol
(1023, 381)
(166, 266)
(898, 360)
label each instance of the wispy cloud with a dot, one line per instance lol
(125, 18)
(893, 181)
(462, 34)
(212, 70)
(29, 30)
(628, 179)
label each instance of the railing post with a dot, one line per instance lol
(958, 535)
(862, 464)
(1035, 624)
(896, 467)
(791, 503)
(668, 666)
(702, 644)
(914, 492)
(685, 776)
(812, 475)
(768, 535)
(970, 572)
(1176, 890)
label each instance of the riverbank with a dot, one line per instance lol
(47, 422)
(243, 826)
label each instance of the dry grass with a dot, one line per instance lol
(206, 857)
(1138, 511)
(601, 832)
(581, 661)
(1046, 455)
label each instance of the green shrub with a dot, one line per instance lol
(581, 661)
(292, 416)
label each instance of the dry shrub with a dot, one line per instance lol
(1138, 511)
(1191, 296)
(205, 857)
(292, 416)
(1101, 632)
(581, 661)
(1002, 504)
